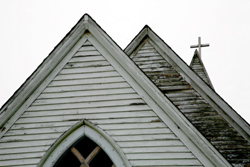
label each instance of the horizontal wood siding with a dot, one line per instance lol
(88, 87)
(229, 142)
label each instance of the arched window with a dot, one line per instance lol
(84, 145)
(84, 153)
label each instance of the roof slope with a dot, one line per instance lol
(186, 91)
(198, 67)
(87, 76)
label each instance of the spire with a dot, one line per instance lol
(198, 67)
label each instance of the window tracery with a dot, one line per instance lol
(84, 153)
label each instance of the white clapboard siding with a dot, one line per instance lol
(159, 143)
(87, 59)
(89, 87)
(104, 109)
(86, 64)
(161, 149)
(25, 162)
(83, 52)
(81, 112)
(144, 137)
(85, 99)
(86, 93)
(87, 48)
(171, 162)
(87, 116)
(21, 156)
(21, 144)
(126, 120)
(97, 86)
(140, 131)
(36, 131)
(147, 156)
(27, 165)
(86, 69)
(81, 117)
(85, 105)
(87, 81)
(133, 126)
(24, 150)
(19, 125)
(28, 137)
(86, 75)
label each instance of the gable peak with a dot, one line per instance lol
(196, 53)
(86, 17)
(146, 27)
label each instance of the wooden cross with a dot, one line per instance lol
(85, 162)
(199, 46)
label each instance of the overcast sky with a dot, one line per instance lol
(30, 29)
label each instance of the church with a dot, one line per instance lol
(90, 104)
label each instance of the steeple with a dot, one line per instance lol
(198, 67)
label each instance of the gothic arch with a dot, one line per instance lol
(77, 132)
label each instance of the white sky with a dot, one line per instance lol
(30, 29)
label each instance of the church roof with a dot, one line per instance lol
(188, 89)
(148, 115)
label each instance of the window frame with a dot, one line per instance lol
(81, 129)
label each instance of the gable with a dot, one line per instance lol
(88, 83)
(153, 57)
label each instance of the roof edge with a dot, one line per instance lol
(137, 40)
(42, 71)
(227, 112)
